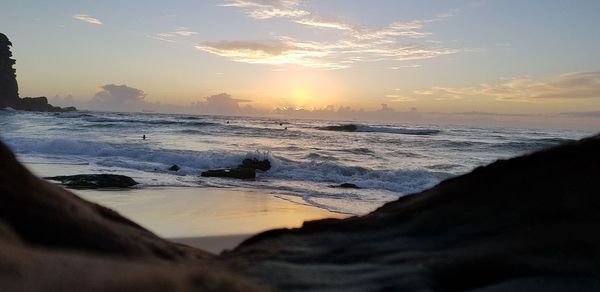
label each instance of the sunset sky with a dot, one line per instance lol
(493, 57)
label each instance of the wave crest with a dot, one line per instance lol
(373, 129)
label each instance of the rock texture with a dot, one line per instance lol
(44, 214)
(9, 90)
(525, 224)
(262, 165)
(95, 181)
(342, 128)
(52, 240)
(346, 186)
(239, 173)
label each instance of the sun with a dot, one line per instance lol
(301, 97)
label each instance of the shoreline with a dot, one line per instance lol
(209, 218)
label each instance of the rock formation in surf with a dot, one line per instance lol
(9, 90)
(525, 224)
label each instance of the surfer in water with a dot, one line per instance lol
(143, 137)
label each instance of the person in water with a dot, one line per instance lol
(143, 137)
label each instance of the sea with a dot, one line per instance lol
(309, 158)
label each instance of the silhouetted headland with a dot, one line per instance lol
(9, 89)
(525, 224)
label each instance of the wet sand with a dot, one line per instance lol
(209, 218)
(212, 219)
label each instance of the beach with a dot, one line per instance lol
(309, 162)
(212, 219)
(209, 218)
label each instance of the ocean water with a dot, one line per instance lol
(386, 160)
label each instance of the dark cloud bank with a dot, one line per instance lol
(125, 98)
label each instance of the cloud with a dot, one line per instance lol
(350, 43)
(223, 104)
(324, 23)
(592, 114)
(184, 33)
(158, 37)
(327, 55)
(579, 85)
(276, 52)
(124, 98)
(118, 97)
(171, 36)
(265, 9)
(63, 101)
(87, 18)
(404, 66)
(345, 113)
(400, 98)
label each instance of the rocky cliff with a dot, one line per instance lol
(525, 224)
(9, 90)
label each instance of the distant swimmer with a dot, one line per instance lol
(143, 137)
(228, 122)
(285, 128)
(281, 124)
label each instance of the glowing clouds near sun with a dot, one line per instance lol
(579, 85)
(347, 43)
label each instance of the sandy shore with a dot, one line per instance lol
(177, 212)
(212, 219)
(209, 218)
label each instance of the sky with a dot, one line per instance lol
(513, 63)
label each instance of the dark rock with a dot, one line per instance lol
(525, 224)
(39, 104)
(95, 181)
(241, 173)
(254, 163)
(174, 167)
(341, 128)
(346, 186)
(40, 213)
(52, 240)
(9, 90)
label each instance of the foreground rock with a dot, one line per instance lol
(40, 213)
(246, 170)
(346, 186)
(240, 173)
(524, 224)
(52, 240)
(263, 165)
(9, 90)
(95, 181)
